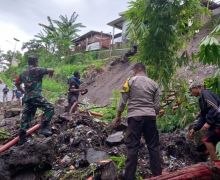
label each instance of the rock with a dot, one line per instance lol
(81, 162)
(93, 156)
(65, 117)
(59, 109)
(108, 170)
(56, 174)
(115, 139)
(12, 112)
(29, 158)
(26, 176)
(66, 160)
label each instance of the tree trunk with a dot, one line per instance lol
(201, 171)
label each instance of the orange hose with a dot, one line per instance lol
(16, 139)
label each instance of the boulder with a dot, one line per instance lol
(94, 156)
(115, 139)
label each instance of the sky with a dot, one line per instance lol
(19, 18)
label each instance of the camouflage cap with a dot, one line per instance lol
(195, 84)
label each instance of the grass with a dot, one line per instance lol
(54, 87)
(109, 112)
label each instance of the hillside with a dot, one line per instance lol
(114, 74)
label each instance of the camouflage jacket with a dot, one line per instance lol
(32, 80)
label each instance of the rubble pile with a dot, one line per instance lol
(83, 147)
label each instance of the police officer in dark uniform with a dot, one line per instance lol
(33, 99)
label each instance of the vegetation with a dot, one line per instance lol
(218, 150)
(210, 48)
(57, 37)
(159, 28)
(4, 135)
(210, 54)
(119, 161)
(153, 24)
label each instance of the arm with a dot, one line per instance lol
(121, 107)
(73, 89)
(212, 108)
(157, 101)
(122, 104)
(199, 124)
(45, 71)
(50, 72)
(18, 83)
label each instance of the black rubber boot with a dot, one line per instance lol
(22, 137)
(45, 129)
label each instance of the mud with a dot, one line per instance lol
(79, 148)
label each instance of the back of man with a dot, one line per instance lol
(33, 99)
(142, 96)
(32, 79)
(142, 100)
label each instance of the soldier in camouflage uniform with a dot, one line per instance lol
(33, 99)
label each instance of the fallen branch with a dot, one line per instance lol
(200, 171)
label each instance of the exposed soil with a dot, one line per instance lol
(111, 78)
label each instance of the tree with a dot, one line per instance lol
(210, 48)
(160, 27)
(209, 53)
(32, 46)
(59, 34)
(10, 54)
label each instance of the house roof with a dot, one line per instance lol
(89, 34)
(117, 23)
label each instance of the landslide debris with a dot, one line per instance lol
(82, 147)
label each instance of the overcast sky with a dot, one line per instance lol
(20, 18)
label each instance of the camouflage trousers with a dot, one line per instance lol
(30, 108)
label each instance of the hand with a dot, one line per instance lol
(191, 133)
(50, 72)
(205, 127)
(81, 90)
(161, 112)
(117, 121)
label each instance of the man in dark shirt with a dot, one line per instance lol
(33, 99)
(74, 91)
(209, 118)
